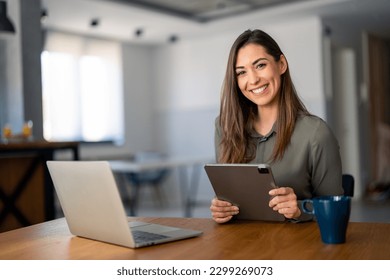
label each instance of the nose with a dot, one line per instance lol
(253, 78)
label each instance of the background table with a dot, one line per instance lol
(189, 170)
(237, 240)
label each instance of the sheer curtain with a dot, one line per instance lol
(82, 89)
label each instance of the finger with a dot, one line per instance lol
(222, 206)
(224, 211)
(222, 203)
(273, 202)
(288, 204)
(290, 213)
(289, 200)
(289, 210)
(276, 200)
(280, 191)
(222, 220)
(220, 215)
(289, 197)
(285, 210)
(284, 201)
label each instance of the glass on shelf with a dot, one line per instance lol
(7, 133)
(25, 135)
(27, 130)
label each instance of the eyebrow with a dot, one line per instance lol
(253, 63)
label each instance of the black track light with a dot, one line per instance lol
(5, 24)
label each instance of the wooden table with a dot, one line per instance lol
(237, 240)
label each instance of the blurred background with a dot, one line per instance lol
(122, 77)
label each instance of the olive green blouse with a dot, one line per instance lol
(311, 164)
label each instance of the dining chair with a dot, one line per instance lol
(348, 183)
(152, 178)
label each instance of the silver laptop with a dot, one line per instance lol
(93, 208)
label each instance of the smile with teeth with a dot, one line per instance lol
(259, 90)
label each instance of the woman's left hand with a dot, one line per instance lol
(285, 202)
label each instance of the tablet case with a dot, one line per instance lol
(247, 186)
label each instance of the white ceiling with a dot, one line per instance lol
(206, 10)
(120, 21)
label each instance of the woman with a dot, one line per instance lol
(262, 120)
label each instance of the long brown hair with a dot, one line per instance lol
(237, 113)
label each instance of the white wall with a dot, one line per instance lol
(346, 113)
(139, 98)
(138, 104)
(187, 92)
(301, 41)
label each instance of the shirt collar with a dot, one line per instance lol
(255, 134)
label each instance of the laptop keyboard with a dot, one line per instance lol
(143, 236)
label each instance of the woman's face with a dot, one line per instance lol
(258, 74)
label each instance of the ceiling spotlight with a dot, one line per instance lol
(173, 39)
(44, 15)
(94, 22)
(138, 32)
(5, 24)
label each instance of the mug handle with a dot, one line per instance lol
(305, 209)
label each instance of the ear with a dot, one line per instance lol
(282, 64)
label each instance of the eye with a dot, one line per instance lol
(240, 73)
(260, 65)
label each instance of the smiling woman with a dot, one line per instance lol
(82, 89)
(262, 120)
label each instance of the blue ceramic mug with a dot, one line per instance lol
(332, 215)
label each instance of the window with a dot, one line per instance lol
(82, 89)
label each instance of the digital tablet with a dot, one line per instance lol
(247, 186)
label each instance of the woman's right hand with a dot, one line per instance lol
(222, 211)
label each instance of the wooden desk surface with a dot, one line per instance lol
(238, 240)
